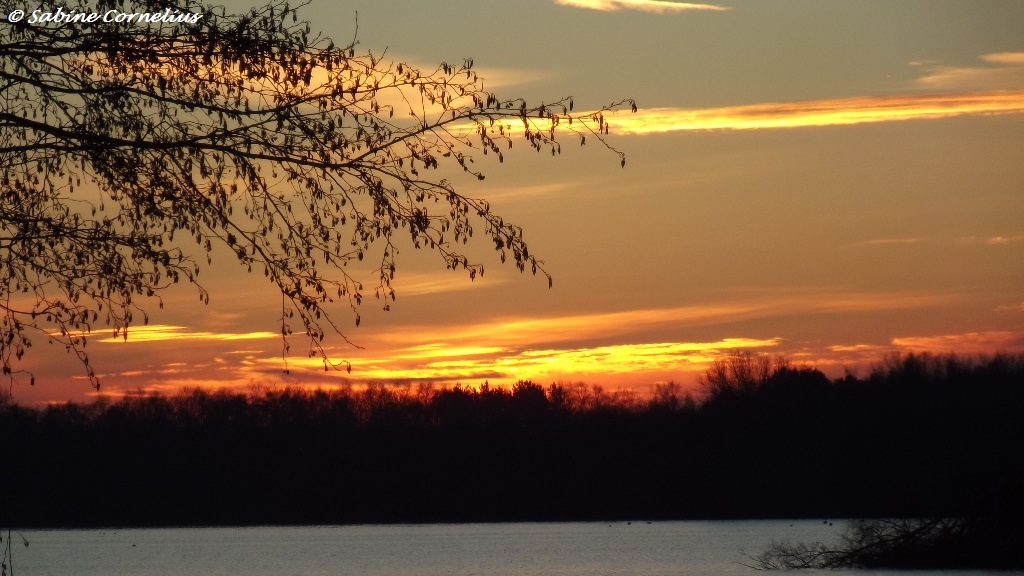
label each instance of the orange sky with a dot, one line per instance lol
(831, 183)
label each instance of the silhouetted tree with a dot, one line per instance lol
(918, 543)
(529, 397)
(122, 143)
(738, 375)
(671, 397)
(798, 447)
(789, 385)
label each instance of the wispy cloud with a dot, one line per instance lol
(992, 240)
(840, 111)
(996, 87)
(629, 358)
(1000, 71)
(505, 77)
(170, 384)
(418, 284)
(520, 333)
(968, 343)
(613, 348)
(506, 366)
(159, 333)
(532, 192)
(1015, 58)
(657, 6)
(553, 347)
(969, 240)
(438, 350)
(858, 348)
(888, 241)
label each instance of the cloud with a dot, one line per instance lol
(991, 240)
(531, 192)
(158, 333)
(656, 6)
(840, 111)
(595, 347)
(521, 332)
(633, 358)
(997, 88)
(408, 284)
(858, 348)
(439, 350)
(970, 240)
(505, 77)
(506, 366)
(968, 343)
(170, 385)
(1016, 58)
(1002, 71)
(634, 347)
(888, 241)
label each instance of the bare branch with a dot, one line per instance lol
(121, 144)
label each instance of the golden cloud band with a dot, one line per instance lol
(840, 111)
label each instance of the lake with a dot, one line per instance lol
(515, 549)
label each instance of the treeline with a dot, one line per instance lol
(920, 435)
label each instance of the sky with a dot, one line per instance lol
(829, 181)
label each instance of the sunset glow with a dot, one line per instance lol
(549, 348)
(837, 112)
(831, 186)
(657, 6)
(143, 334)
(974, 342)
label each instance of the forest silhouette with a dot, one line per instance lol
(920, 436)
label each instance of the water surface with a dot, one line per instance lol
(517, 549)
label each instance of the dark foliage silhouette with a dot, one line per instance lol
(948, 443)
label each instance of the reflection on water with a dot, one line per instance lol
(550, 549)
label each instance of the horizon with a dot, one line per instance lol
(827, 182)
